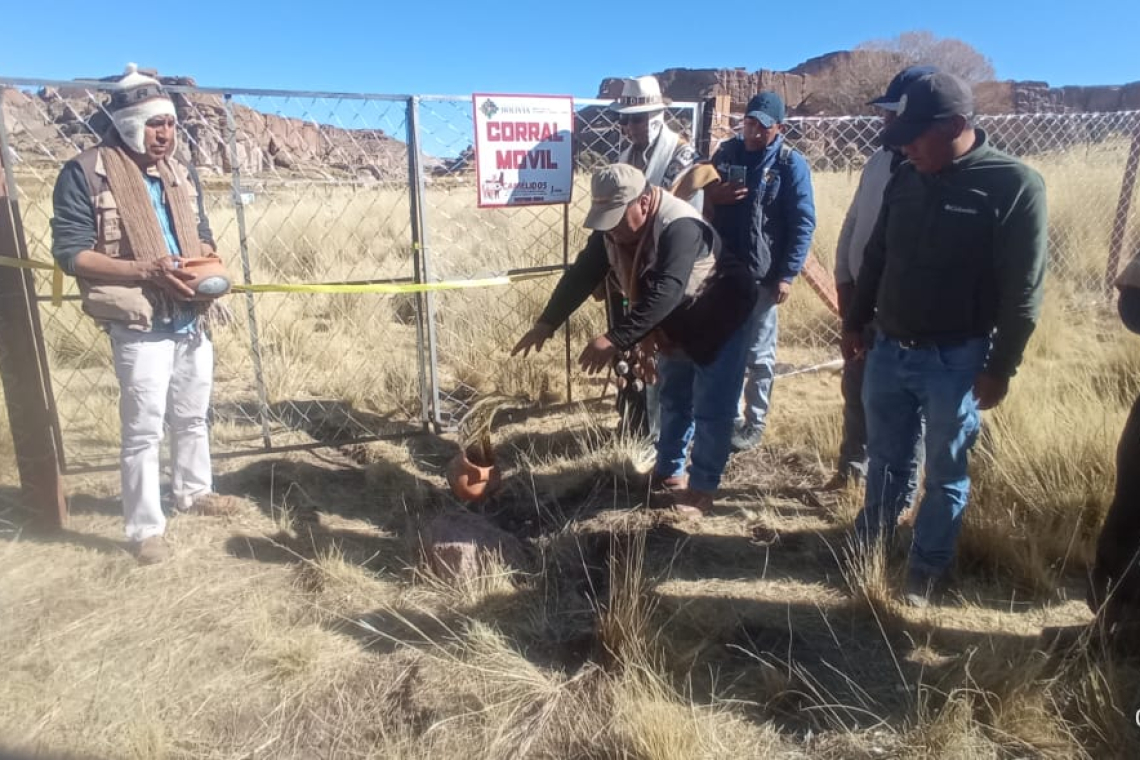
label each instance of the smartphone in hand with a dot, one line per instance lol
(737, 173)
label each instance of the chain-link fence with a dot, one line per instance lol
(1082, 156)
(324, 188)
(474, 330)
(320, 188)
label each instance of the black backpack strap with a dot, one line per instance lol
(785, 156)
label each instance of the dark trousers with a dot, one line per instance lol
(1115, 578)
(853, 448)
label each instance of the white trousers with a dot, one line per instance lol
(162, 376)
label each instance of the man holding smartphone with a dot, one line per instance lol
(764, 211)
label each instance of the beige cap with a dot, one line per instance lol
(612, 188)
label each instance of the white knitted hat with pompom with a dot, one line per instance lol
(136, 100)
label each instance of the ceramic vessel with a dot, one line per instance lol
(211, 279)
(471, 481)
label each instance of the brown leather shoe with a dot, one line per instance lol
(662, 490)
(216, 505)
(841, 481)
(151, 551)
(670, 484)
(693, 504)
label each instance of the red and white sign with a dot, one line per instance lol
(523, 149)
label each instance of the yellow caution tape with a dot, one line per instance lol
(56, 274)
(411, 287)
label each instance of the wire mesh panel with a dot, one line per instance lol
(322, 189)
(1083, 158)
(475, 329)
(298, 189)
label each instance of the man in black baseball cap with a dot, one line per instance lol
(931, 121)
(889, 100)
(952, 278)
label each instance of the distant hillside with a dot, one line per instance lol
(52, 122)
(837, 84)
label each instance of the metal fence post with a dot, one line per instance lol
(566, 327)
(423, 260)
(250, 312)
(1123, 208)
(698, 121)
(24, 365)
(414, 199)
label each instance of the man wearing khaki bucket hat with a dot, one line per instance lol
(689, 317)
(127, 215)
(661, 154)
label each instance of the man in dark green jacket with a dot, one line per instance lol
(952, 277)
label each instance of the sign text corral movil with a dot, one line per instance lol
(523, 149)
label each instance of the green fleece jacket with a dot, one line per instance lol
(957, 255)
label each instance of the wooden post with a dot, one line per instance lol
(717, 125)
(822, 282)
(24, 373)
(1123, 209)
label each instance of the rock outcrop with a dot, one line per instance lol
(828, 85)
(53, 123)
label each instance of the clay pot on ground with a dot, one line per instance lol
(473, 478)
(211, 279)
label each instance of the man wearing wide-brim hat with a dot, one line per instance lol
(660, 153)
(652, 146)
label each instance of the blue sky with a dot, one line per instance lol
(450, 47)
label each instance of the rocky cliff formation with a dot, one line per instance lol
(834, 85)
(51, 123)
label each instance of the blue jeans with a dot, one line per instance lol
(853, 447)
(761, 367)
(653, 410)
(698, 406)
(901, 387)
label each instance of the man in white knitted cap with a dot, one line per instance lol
(126, 212)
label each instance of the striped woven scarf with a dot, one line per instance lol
(141, 230)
